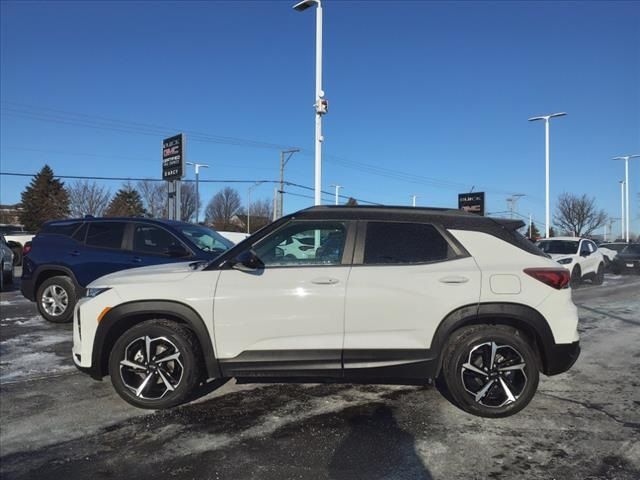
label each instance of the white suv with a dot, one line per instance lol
(578, 255)
(391, 295)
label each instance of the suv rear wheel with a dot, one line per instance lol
(490, 370)
(56, 299)
(156, 364)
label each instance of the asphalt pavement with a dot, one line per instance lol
(584, 424)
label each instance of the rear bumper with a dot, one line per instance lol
(561, 357)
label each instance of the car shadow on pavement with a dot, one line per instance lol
(376, 447)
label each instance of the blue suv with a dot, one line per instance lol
(67, 255)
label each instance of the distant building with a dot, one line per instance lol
(10, 214)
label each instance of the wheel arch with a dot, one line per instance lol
(524, 318)
(122, 317)
(46, 272)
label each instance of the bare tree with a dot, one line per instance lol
(578, 215)
(188, 201)
(222, 207)
(261, 214)
(87, 198)
(154, 196)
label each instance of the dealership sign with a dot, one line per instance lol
(173, 157)
(471, 202)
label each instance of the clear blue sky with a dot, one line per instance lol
(438, 92)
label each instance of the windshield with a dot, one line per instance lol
(561, 247)
(206, 239)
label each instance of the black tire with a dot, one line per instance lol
(473, 345)
(599, 278)
(55, 283)
(7, 277)
(576, 276)
(17, 256)
(1, 277)
(183, 374)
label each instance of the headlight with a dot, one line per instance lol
(94, 292)
(565, 261)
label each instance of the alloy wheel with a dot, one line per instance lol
(55, 300)
(151, 367)
(494, 375)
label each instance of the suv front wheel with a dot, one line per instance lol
(490, 370)
(156, 364)
(56, 299)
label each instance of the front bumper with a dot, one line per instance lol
(561, 357)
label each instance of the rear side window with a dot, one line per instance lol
(153, 240)
(65, 229)
(398, 243)
(81, 233)
(105, 234)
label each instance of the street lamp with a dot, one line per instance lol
(413, 199)
(621, 182)
(249, 190)
(197, 167)
(337, 187)
(546, 119)
(626, 188)
(321, 104)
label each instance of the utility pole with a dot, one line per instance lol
(546, 119)
(512, 202)
(285, 156)
(197, 167)
(622, 209)
(337, 187)
(626, 159)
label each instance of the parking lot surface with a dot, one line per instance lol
(584, 424)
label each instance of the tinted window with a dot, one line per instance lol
(105, 234)
(206, 239)
(153, 240)
(81, 233)
(291, 245)
(632, 249)
(65, 229)
(393, 243)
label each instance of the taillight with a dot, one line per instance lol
(557, 278)
(26, 249)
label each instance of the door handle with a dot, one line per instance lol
(325, 281)
(74, 253)
(454, 279)
(137, 260)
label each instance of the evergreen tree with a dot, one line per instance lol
(127, 202)
(535, 233)
(44, 199)
(352, 202)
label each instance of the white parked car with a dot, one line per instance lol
(611, 250)
(17, 239)
(235, 237)
(578, 255)
(392, 294)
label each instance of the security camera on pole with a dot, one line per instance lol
(321, 105)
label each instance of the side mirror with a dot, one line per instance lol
(177, 251)
(247, 261)
(585, 254)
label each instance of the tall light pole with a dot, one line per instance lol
(626, 188)
(321, 104)
(337, 187)
(621, 208)
(197, 167)
(546, 119)
(413, 199)
(249, 190)
(285, 156)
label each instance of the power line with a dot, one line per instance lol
(98, 122)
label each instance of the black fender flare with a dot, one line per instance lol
(517, 315)
(120, 318)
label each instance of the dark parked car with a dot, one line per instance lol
(67, 255)
(628, 260)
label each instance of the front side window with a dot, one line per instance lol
(304, 243)
(152, 240)
(105, 234)
(400, 243)
(206, 239)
